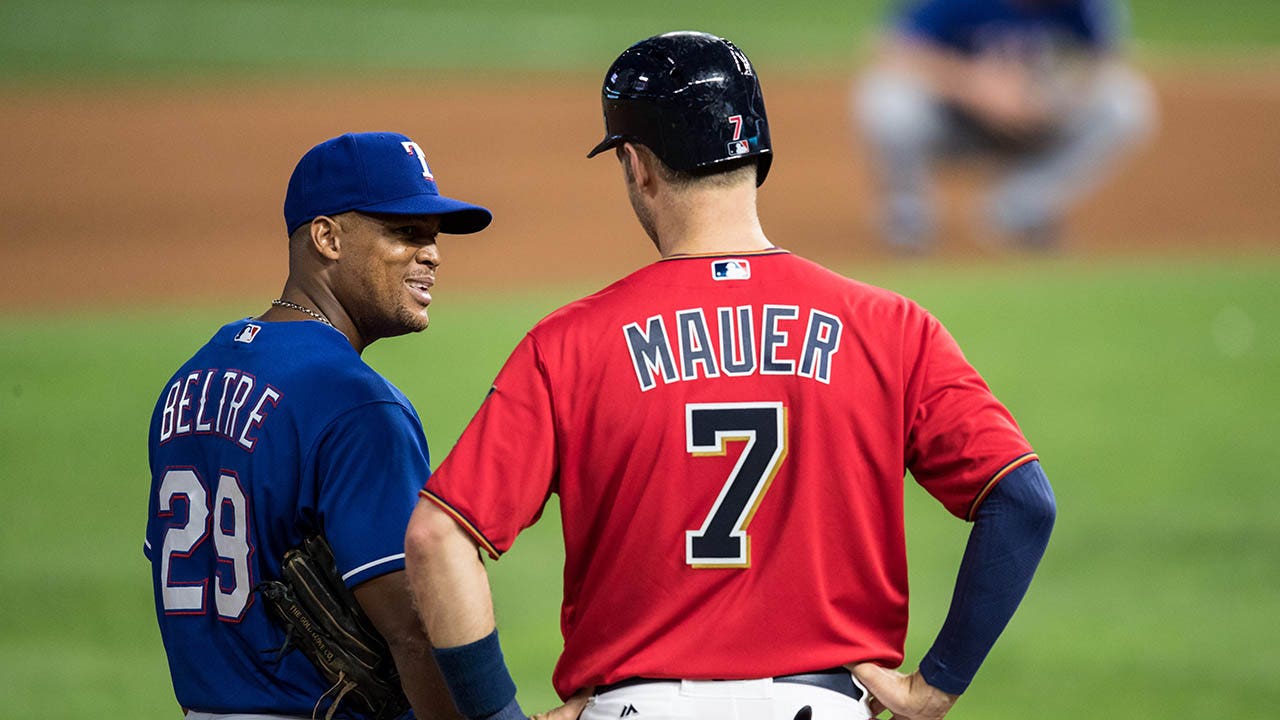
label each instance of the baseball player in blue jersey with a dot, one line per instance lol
(1039, 86)
(276, 430)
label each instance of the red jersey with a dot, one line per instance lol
(728, 436)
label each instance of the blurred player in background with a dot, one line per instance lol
(276, 430)
(1040, 86)
(728, 431)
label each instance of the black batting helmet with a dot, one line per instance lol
(691, 98)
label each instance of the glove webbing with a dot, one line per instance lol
(347, 686)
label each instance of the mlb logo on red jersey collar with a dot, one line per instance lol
(736, 269)
(248, 333)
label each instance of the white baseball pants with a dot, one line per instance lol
(765, 699)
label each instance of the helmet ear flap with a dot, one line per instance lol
(691, 98)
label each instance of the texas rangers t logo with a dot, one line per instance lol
(412, 148)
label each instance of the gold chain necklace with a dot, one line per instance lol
(299, 308)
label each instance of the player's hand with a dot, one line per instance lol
(1000, 91)
(570, 710)
(908, 697)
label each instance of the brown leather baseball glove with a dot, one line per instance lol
(321, 618)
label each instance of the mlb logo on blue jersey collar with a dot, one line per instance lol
(736, 269)
(248, 333)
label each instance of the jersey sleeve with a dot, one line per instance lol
(961, 440)
(372, 460)
(499, 475)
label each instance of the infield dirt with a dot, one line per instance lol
(121, 195)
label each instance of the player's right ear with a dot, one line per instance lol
(325, 237)
(635, 165)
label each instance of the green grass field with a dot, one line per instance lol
(1148, 388)
(78, 41)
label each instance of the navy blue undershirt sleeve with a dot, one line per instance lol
(479, 681)
(1009, 535)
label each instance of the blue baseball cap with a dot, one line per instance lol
(377, 172)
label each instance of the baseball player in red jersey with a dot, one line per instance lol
(728, 430)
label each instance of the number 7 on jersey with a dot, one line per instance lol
(722, 540)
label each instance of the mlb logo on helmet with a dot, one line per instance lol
(248, 333)
(739, 147)
(731, 270)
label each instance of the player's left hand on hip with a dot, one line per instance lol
(908, 697)
(571, 708)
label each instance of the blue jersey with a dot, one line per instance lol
(972, 27)
(271, 432)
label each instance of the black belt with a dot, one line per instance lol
(836, 679)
